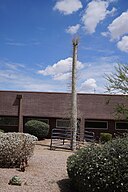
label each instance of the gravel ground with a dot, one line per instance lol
(46, 172)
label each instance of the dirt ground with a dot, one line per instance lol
(46, 172)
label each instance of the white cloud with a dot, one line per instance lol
(68, 6)
(18, 44)
(112, 12)
(88, 86)
(123, 44)
(61, 66)
(119, 29)
(37, 86)
(73, 29)
(96, 70)
(119, 26)
(105, 34)
(90, 78)
(21, 44)
(13, 66)
(13, 76)
(112, 1)
(62, 76)
(60, 70)
(95, 13)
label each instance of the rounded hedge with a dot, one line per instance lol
(1, 131)
(37, 128)
(105, 137)
(100, 168)
(16, 147)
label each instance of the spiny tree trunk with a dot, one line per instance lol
(74, 96)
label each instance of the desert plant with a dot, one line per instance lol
(104, 137)
(100, 168)
(37, 128)
(15, 147)
(15, 180)
(1, 131)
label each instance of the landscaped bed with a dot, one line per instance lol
(46, 172)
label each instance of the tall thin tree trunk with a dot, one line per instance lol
(74, 96)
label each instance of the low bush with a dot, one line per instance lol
(100, 168)
(15, 147)
(37, 128)
(105, 137)
(15, 180)
(1, 131)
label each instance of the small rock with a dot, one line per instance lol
(25, 183)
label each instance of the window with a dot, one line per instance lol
(96, 124)
(8, 121)
(62, 123)
(36, 118)
(121, 125)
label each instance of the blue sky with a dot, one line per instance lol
(36, 43)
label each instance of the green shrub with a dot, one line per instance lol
(100, 168)
(15, 180)
(15, 147)
(37, 128)
(105, 137)
(1, 131)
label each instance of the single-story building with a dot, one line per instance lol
(96, 112)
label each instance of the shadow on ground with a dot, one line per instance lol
(65, 185)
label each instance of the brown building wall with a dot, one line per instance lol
(8, 104)
(93, 106)
(57, 105)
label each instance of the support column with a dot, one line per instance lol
(20, 115)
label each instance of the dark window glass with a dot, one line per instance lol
(121, 125)
(8, 121)
(63, 123)
(96, 124)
